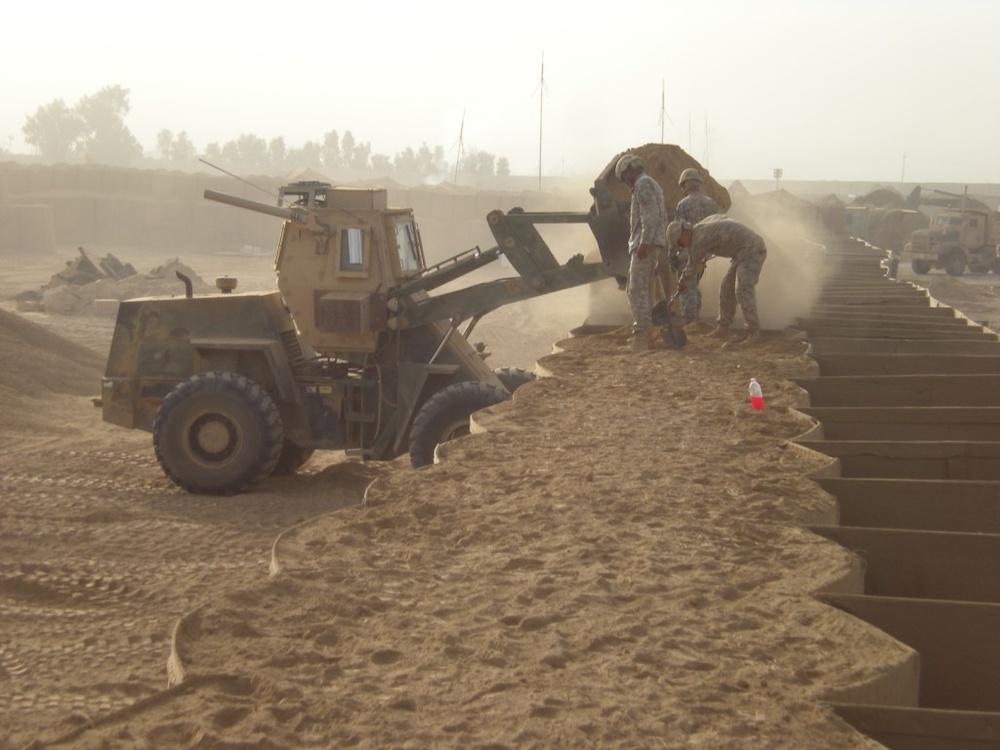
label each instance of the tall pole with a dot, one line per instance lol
(458, 158)
(706, 139)
(541, 105)
(663, 108)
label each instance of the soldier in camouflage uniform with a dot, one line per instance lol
(647, 237)
(727, 238)
(691, 209)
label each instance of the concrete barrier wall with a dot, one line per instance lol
(107, 207)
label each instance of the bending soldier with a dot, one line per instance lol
(727, 238)
(691, 209)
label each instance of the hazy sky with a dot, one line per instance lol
(877, 90)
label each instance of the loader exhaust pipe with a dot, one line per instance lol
(188, 286)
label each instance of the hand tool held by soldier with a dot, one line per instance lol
(691, 209)
(746, 250)
(647, 237)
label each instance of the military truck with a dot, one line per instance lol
(351, 353)
(958, 238)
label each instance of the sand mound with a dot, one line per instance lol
(664, 162)
(38, 371)
(37, 361)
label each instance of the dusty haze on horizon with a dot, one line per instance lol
(845, 90)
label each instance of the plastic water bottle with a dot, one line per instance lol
(756, 395)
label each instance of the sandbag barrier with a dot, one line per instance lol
(907, 403)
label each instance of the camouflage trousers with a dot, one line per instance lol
(690, 300)
(640, 278)
(738, 286)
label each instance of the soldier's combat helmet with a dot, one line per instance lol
(689, 175)
(629, 160)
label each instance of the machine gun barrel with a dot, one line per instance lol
(233, 200)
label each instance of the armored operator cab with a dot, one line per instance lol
(351, 353)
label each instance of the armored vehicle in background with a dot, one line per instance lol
(965, 235)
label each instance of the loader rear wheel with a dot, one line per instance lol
(445, 416)
(217, 433)
(513, 378)
(293, 457)
(920, 267)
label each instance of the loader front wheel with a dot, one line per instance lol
(445, 416)
(293, 457)
(920, 267)
(513, 378)
(217, 433)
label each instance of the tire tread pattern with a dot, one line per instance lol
(266, 415)
(450, 403)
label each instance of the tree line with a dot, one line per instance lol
(94, 129)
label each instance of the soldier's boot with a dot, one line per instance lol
(654, 339)
(721, 332)
(640, 341)
(753, 336)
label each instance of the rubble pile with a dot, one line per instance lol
(75, 289)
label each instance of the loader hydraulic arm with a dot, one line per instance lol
(518, 240)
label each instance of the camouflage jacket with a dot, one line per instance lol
(722, 236)
(695, 207)
(648, 218)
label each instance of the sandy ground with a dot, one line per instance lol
(620, 560)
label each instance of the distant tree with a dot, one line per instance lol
(183, 149)
(331, 150)
(53, 130)
(106, 139)
(430, 162)
(503, 167)
(405, 163)
(213, 152)
(164, 143)
(277, 152)
(252, 150)
(346, 150)
(359, 157)
(479, 163)
(173, 148)
(310, 155)
(381, 164)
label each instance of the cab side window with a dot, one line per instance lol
(352, 249)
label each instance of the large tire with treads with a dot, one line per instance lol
(513, 378)
(445, 416)
(954, 265)
(217, 433)
(293, 457)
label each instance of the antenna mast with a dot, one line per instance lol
(458, 157)
(541, 103)
(706, 139)
(663, 106)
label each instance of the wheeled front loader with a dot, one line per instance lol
(351, 353)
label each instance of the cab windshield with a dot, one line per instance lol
(949, 221)
(409, 245)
